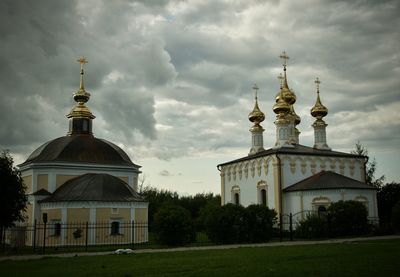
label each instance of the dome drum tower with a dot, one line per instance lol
(319, 111)
(256, 116)
(80, 117)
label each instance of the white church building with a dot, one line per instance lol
(290, 177)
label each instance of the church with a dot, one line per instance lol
(289, 177)
(79, 178)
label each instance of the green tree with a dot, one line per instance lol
(395, 216)
(347, 218)
(227, 224)
(12, 193)
(388, 195)
(261, 221)
(371, 167)
(158, 198)
(173, 225)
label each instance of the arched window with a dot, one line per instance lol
(321, 211)
(237, 200)
(262, 193)
(363, 200)
(320, 203)
(235, 196)
(263, 197)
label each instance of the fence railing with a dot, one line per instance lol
(76, 234)
(115, 234)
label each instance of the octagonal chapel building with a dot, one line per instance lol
(293, 178)
(81, 178)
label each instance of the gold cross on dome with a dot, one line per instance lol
(82, 61)
(255, 87)
(284, 57)
(317, 81)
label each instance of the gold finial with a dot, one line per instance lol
(285, 58)
(280, 78)
(256, 88)
(317, 82)
(82, 61)
(81, 96)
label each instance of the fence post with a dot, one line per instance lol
(86, 237)
(34, 236)
(44, 238)
(133, 233)
(291, 226)
(280, 227)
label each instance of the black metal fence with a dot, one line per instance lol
(41, 236)
(101, 236)
(288, 223)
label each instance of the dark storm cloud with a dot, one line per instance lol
(41, 41)
(171, 79)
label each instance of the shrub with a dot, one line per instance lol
(395, 217)
(227, 224)
(348, 218)
(173, 226)
(312, 226)
(236, 224)
(261, 220)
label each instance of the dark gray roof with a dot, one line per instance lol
(41, 192)
(79, 149)
(298, 149)
(94, 187)
(327, 180)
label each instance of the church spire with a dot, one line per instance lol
(256, 116)
(319, 111)
(80, 117)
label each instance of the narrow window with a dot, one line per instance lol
(115, 228)
(55, 228)
(322, 211)
(237, 199)
(263, 197)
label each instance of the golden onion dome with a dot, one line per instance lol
(256, 115)
(281, 106)
(288, 95)
(319, 110)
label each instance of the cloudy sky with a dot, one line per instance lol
(171, 80)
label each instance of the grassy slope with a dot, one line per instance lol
(370, 258)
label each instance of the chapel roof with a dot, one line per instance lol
(95, 187)
(79, 149)
(327, 180)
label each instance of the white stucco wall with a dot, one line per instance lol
(245, 176)
(295, 202)
(299, 167)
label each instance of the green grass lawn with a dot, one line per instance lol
(367, 258)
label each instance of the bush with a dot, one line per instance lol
(261, 221)
(236, 224)
(395, 217)
(348, 218)
(173, 226)
(312, 226)
(227, 224)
